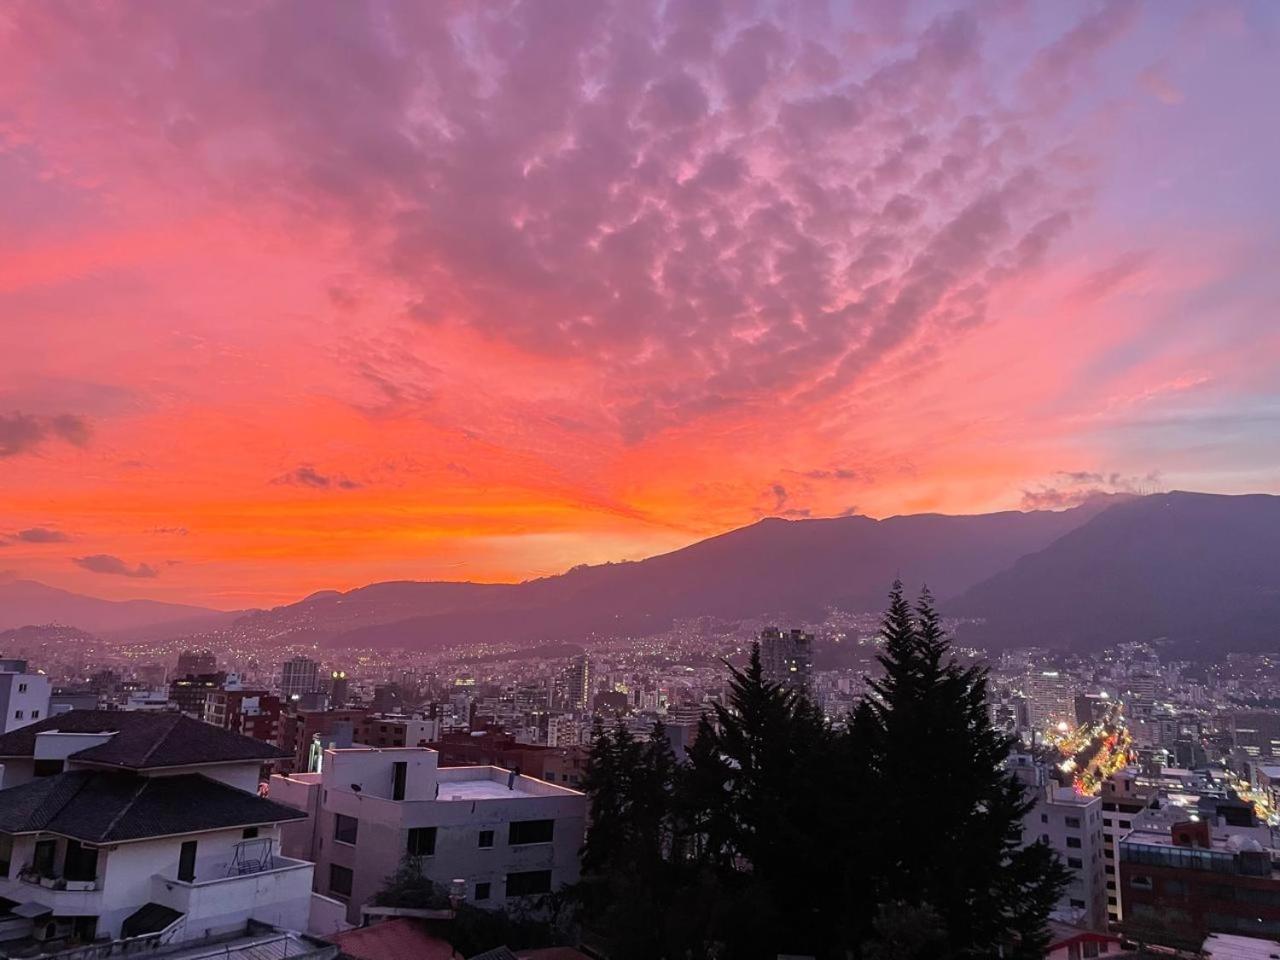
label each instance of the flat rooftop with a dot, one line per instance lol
(478, 790)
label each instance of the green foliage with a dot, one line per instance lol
(896, 836)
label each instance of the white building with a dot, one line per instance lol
(510, 837)
(24, 697)
(1071, 824)
(135, 824)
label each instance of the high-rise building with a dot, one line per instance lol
(787, 657)
(1051, 700)
(339, 689)
(193, 663)
(298, 676)
(575, 683)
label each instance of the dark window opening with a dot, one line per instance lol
(528, 884)
(340, 881)
(530, 831)
(422, 841)
(345, 829)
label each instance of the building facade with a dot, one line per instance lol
(511, 838)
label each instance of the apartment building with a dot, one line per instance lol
(24, 697)
(510, 838)
(1072, 825)
(117, 824)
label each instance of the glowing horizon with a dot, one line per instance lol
(306, 296)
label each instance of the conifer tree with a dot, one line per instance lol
(952, 831)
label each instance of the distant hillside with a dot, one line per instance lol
(24, 602)
(1198, 569)
(794, 568)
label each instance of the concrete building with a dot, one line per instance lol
(24, 697)
(511, 838)
(298, 676)
(1072, 825)
(193, 663)
(1256, 733)
(1189, 881)
(787, 657)
(140, 825)
(574, 685)
(254, 713)
(1051, 700)
(1124, 801)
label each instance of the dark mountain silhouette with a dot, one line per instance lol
(1200, 570)
(24, 602)
(793, 568)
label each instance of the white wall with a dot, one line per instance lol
(24, 699)
(384, 824)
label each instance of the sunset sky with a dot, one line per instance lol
(307, 295)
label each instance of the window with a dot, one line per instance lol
(530, 831)
(422, 841)
(249, 833)
(35, 714)
(22, 688)
(81, 862)
(1109, 853)
(1090, 948)
(1126, 824)
(1073, 843)
(345, 828)
(1111, 884)
(1111, 870)
(17, 714)
(1044, 818)
(486, 838)
(399, 773)
(1140, 882)
(1106, 821)
(1073, 823)
(528, 884)
(482, 890)
(340, 880)
(1112, 902)
(1075, 863)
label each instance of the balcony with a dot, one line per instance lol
(227, 892)
(64, 897)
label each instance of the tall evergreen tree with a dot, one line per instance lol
(953, 829)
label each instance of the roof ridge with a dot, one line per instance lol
(126, 807)
(161, 739)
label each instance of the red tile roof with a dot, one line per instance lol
(403, 938)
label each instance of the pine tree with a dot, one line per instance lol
(953, 817)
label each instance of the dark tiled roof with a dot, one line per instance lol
(148, 918)
(143, 740)
(107, 807)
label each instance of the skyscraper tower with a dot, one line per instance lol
(298, 676)
(787, 657)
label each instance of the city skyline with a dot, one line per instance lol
(389, 292)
